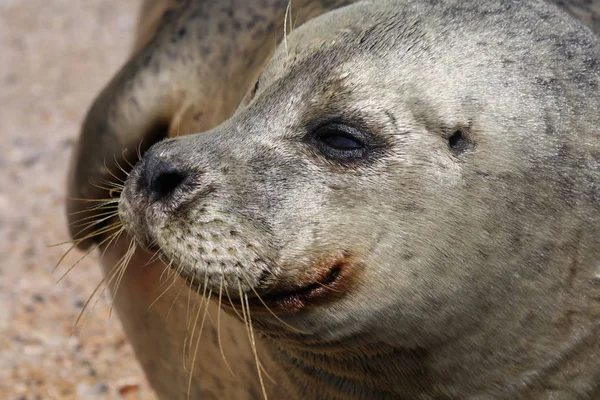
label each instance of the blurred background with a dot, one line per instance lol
(55, 56)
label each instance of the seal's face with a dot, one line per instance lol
(357, 188)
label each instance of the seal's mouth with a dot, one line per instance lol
(293, 300)
(326, 282)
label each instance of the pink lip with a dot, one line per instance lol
(328, 280)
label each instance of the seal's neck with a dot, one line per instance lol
(352, 369)
(362, 369)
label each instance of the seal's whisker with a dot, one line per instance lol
(107, 188)
(250, 334)
(157, 255)
(233, 307)
(197, 344)
(191, 285)
(171, 272)
(266, 306)
(115, 237)
(108, 200)
(122, 268)
(109, 277)
(119, 166)
(324, 286)
(106, 277)
(95, 233)
(186, 339)
(138, 150)
(174, 300)
(96, 207)
(219, 327)
(111, 184)
(78, 261)
(288, 10)
(102, 214)
(191, 324)
(62, 244)
(86, 304)
(204, 299)
(161, 295)
(99, 231)
(295, 22)
(166, 269)
(74, 244)
(246, 304)
(74, 265)
(61, 259)
(111, 173)
(125, 158)
(187, 311)
(107, 185)
(88, 224)
(246, 316)
(163, 282)
(115, 192)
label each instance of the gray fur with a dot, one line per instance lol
(478, 267)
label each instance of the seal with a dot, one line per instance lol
(406, 204)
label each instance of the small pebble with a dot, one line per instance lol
(101, 388)
(125, 390)
(38, 298)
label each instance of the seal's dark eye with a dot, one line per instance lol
(346, 143)
(341, 141)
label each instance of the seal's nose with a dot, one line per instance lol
(162, 178)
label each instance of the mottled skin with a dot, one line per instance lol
(474, 263)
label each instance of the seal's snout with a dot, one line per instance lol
(157, 190)
(161, 179)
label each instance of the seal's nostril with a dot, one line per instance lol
(163, 178)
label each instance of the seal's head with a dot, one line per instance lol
(393, 174)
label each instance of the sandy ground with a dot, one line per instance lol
(54, 58)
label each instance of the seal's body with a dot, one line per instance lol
(406, 204)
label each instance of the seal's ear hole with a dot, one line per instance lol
(459, 142)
